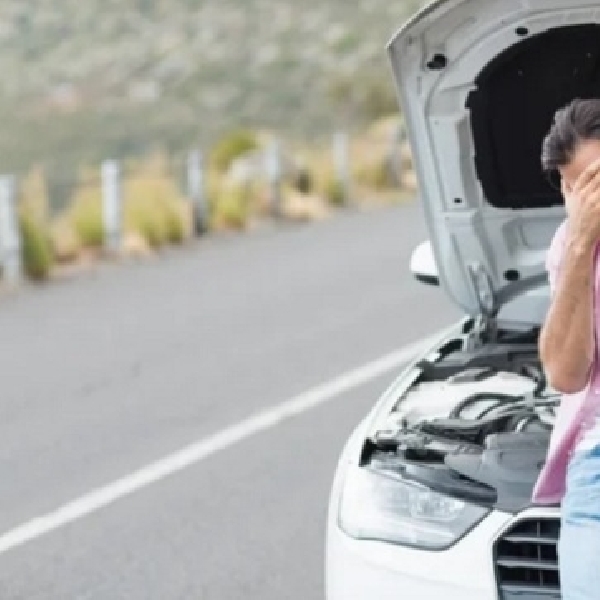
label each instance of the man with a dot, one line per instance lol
(569, 351)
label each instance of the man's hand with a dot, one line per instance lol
(583, 206)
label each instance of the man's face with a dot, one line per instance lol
(586, 153)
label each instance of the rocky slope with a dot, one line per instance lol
(84, 79)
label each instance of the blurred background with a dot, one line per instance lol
(206, 209)
(161, 86)
(83, 81)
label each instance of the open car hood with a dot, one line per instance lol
(479, 82)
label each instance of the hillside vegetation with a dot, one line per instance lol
(82, 80)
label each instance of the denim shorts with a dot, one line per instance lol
(579, 544)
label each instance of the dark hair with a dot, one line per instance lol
(578, 121)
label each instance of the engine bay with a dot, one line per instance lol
(475, 424)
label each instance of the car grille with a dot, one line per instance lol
(526, 560)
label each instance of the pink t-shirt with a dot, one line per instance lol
(577, 412)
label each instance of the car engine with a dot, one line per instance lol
(475, 424)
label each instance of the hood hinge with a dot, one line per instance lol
(486, 299)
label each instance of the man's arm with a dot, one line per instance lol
(567, 341)
(567, 338)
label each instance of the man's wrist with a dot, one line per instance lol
(579, 245)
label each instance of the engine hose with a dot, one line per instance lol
(469, 400)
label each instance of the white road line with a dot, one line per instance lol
(196, 452)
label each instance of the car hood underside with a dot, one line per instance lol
(479, 82)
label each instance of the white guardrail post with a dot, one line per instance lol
(274, 172)
(112, 211)
(10, 234)
(195, 184)
(341, 161)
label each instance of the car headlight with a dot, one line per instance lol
(382, 505)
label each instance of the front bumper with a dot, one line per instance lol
(359, 570)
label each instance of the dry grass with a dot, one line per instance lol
(231, 209)
(153, 206)
(85, 213)
(64, 241)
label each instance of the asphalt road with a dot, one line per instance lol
(116, 369)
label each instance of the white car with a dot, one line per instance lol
(431, 498)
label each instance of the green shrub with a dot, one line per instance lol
(86, 212)
(232, 208)
(374, 175)
(335, 192)
(36, 250)
(231, 147)
(144, 217)
(175, 223)
(326, 183)
(154, 207)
